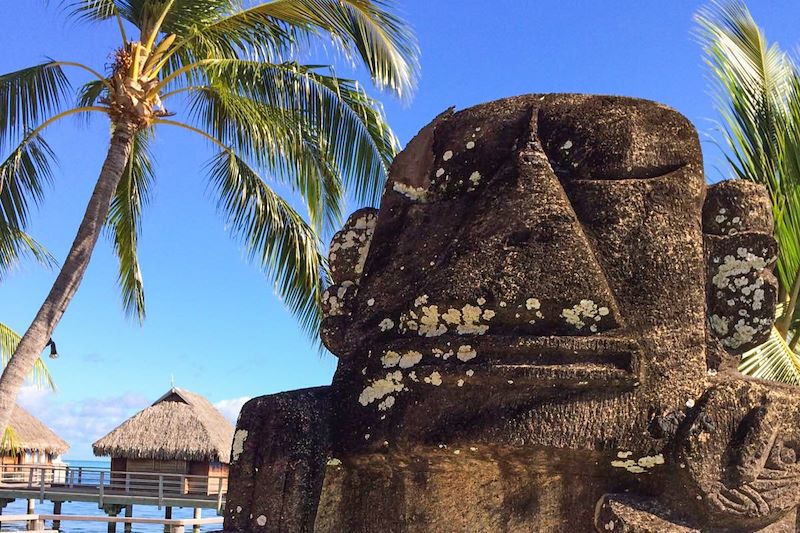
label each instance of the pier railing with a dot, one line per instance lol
(104, 481)
(36, 522)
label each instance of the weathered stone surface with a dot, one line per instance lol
(280, 450)
(532, 328)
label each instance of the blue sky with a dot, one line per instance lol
(213, 321)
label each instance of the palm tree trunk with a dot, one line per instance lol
(69, 278)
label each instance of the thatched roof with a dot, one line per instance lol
(31, 435)
(180, 425)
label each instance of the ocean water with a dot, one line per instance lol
(91, 509)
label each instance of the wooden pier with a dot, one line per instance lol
(112, 491)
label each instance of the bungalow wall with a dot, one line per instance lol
(213, 471)
(171, 470)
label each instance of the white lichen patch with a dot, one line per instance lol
(452, 316)
(239, 439)
(430, 321)
(567, 145)
(441, 354)
(639, 466)
(380, 388)
(447, 155)
(624, 454)
(261, 520)
(390, 359)
(334, 302)
(386, 404)
(475, 179)
(386, 324)
(333, 461)
(470, 372)
(460, 383)
(584, 312)
(410, 358)
(466, 353)
(440, 173)
(417, 194)
(690, 403)
(371, 302)
(429, 324)
(360, 237)
(470, 145)
(532, 303)
(738, 283)
(434, 379)
(736, 267)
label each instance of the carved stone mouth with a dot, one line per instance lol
(567, 361)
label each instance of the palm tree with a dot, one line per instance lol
(757, 88)
(14, 245)
(227, 72)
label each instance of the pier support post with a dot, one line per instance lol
(57, 511)
(112, 510)
(198, 513)
(30, 510)
(128, 514)
(167, 516)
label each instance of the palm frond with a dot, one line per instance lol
(10, 443)
(23, 176)
(16, 245)
(349, 123)
(364, 28)
(91, 93)
(275, 235)
(28, 97)
(279, 141)
(91, 10)
(123, 222)
(773, 360)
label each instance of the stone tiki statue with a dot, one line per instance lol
(537, 331)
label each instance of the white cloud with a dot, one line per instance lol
(83, 422)
(230, 408)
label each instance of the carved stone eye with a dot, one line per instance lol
(604, 139)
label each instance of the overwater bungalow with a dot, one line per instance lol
(181, 434)
(31, 442)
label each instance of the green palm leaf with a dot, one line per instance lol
(773, 360)
(29, 96)
(280, 142)
(351, 124)
(276, 236)
(364, 28)
(23, 176)
(124, 223)
(16, 245)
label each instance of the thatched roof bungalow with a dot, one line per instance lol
(181, 433)
(32, 442)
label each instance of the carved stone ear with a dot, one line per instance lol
(740, 253)
(346, 260)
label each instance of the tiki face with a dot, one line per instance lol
(528, 249)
